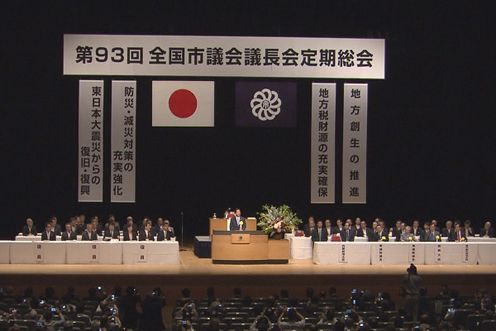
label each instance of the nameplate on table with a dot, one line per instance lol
(240, 238)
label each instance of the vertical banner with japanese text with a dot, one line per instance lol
(123, 142)
(355, 143)
(90, 176)
(323, 132)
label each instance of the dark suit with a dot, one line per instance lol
(368, 232)
(329, 231)
(489, 233)
(396, 233)
(51, 237)
(424, 236)
(68, 236)
(449, 233)
(165, 235)
(233, 224)
(99, 228)
(378, 236)
(323, 234)
(87, 236)
(57, 230)
(143, 236)
(26, 231)
(431, 237)
(348, 235)
(307, 230)
(336, 230)
(117, 226)
(459, 237)
(418, 232)
(79, 229)
(107, 235)
(133, 236)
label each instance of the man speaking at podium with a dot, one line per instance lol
(238, 222)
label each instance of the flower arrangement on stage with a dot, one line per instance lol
(384, 238)
(271, 215)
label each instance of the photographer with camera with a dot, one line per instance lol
(411, 286)
(293, 319)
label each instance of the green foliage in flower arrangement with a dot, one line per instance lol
(270, 215)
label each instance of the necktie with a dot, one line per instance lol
(459, 235)
(347, 234)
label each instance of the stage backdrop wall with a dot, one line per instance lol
(430, 146)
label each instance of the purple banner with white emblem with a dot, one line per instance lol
(266, 104)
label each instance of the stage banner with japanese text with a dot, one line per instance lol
(355, 143)
(90, 175)
(323, 147)
(224, 56)
(123, 142)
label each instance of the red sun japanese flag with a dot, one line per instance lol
(183, 103)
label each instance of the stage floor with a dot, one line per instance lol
(192, 265)
(256, 280)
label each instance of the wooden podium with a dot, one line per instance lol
(247, 247)
(222, 224)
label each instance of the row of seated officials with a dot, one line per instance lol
(76, 226)
(347, 231)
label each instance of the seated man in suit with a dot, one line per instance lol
(158, 226)
(435, 226)
(365, 232)
(130, 221)
(68, 234)
(469, 231)
(339, 227)
(425, 231)
(165, 232)
(328, 227)
(130, 232)
(48, 234)
(460, 234)
(407, 235)
(238, 222)
(487, 231)
(358, 225)
(308, 228)
(55, 226)
(29, 229)
(111, 220)
(433, 234)
(146, 234)
(97, 227)
(448, 231)
(320, 232)
(396, 231)
(110, 232)
(347, 234)
(89, 233)
(78, 225)
(416, 230)
(380, 234)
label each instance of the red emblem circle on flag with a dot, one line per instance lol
(183, 103)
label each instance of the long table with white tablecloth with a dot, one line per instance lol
(404, 253)
(89, 252)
